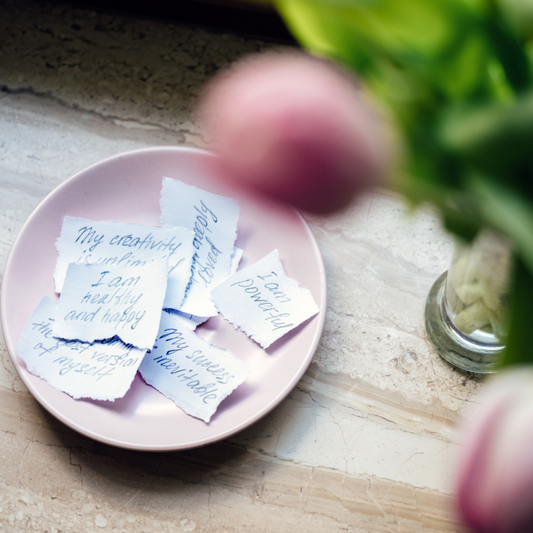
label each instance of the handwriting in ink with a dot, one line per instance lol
(128, 259)
(119, 297)
(108, 362)
(118, 281)
(88, 235)
(45, 327)
(264, 304)
(148, 243)
(176, 340)
(183, 374)
(201, 224)
(206, 270)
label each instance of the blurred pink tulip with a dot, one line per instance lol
(294, 127)
(495, 484)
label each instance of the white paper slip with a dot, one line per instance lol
(99, 302)
(213, 219)
(101, 371)
(196, 375)
(263, 302)
(128, 245)
(235, 259)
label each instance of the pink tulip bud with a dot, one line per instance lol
(294, 127)
(495, 483)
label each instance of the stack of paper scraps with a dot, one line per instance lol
(131, 297)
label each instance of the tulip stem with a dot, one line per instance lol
(519, 343)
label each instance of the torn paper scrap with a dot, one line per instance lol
(99, 302)
(101, 371)
(196, 375)
(236, 257)
(213, 219)
(123, 244)
(263, 302)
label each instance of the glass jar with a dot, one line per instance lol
(467, 308)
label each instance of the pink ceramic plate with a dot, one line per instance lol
(127, 187)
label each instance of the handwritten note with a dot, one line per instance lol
(99, 302)
(126, 245)
(196, 375)
(132, 297)
(213, 219)
(263, 302)
(101, 371)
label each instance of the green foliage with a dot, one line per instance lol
(456, 77)
(518, 344)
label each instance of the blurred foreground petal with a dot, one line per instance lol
(295, 128)
(495, 484)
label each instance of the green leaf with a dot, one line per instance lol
(507, 211)
(462, 68)
(459, 215)
(445, 41)
(519, 14)
(495, 138)
(324, 30)
(518, 348)
(400, 28)
(510, 53)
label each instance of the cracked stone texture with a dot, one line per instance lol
(364, 443)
